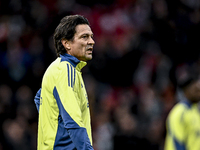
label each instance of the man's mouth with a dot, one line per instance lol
(89, 50)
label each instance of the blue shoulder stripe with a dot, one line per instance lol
(68, 75)
(71, 75)
(74, 76)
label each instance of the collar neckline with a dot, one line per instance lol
(73, 61)
(186, 101)
(183, 99)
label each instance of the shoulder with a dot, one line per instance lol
(179, 108)
(57, 66)
(54, 64)
(53, 70)
(178, 112)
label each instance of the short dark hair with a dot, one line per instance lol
(187, 77)
(66, 30)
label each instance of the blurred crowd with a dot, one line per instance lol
(141, 47)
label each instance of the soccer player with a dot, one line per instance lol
(183, 122)
(62, 102)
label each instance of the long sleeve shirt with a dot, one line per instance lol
(62, 102)
(183, 127)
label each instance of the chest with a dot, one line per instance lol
(80, 91)
(193, 122)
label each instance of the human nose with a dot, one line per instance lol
(91, 41)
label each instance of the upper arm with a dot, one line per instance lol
(69, 102)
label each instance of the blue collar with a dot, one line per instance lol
(73, 61)
(183, 99)
(187, 103)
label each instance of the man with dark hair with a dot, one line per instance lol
(183, 122)
(64, 116)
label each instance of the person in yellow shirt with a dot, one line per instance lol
(183, 122)
(62, 102)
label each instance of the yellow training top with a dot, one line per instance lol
(64, 116)
(183, 127)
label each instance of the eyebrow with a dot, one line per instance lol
(88, 34)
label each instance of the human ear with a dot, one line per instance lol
(66, 44)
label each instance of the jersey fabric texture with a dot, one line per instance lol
(64, 116)
(183, 127)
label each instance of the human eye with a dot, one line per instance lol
(85, 36)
